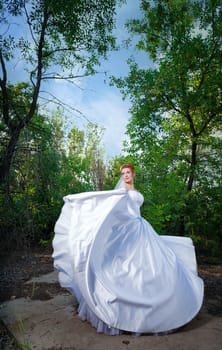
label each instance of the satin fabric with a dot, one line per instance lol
(125, 276)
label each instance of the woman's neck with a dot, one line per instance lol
(130, 187)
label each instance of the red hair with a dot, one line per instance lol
(127, 165)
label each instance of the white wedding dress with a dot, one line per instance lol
(124, 275)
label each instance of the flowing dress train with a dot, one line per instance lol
(125, 276)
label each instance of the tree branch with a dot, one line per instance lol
(206, 68)
(55, 100)
(171, 104)
(191, 123)
(3, 84)
(211, 117)
(64, 49)
(56, 76)
(29, 24)
(39, 69)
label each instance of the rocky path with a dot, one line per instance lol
(47, 313)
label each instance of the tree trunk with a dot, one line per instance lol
(7, 156)
(192, 166)
(189, 187)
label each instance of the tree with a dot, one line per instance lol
(176, 105)
(36, 184)
(78, 165)
(94, 152)
(63, 38)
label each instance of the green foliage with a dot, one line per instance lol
(94, 152)
(175, 128)
(61, 41)
(42, 173)
(74, 32)
(54, 40)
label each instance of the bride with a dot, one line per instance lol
(124, 275)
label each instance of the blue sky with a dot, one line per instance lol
(102, 103)
(93, 96)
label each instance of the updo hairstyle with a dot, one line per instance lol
(127, 165)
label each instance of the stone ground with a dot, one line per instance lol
(36, 313)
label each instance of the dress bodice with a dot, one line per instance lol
(135, 202)
(137, 197)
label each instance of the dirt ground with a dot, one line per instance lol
(46, 317)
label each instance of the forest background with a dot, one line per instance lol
(174, 135)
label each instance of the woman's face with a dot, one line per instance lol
(127, 175)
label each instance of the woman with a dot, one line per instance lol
(124, 275)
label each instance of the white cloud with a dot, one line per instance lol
(100, 104)
(110, 111)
